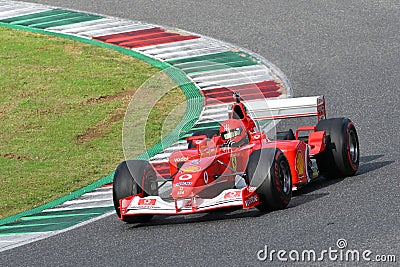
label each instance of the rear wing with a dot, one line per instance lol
(284, 108)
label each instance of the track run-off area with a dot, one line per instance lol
(347, 51)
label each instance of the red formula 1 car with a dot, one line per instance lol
(239, 165)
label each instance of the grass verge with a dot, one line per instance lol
(62, 105)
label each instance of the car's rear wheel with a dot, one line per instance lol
(133, 177)
(268, 170)
(341, 157)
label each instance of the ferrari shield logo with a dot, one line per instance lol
(233, 161)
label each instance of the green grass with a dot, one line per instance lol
(61, 110)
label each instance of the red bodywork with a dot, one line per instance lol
(203, 177)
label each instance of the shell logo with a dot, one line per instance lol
(191, 169)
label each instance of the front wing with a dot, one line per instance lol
(137, 205)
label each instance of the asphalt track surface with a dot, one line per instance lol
(347, 50)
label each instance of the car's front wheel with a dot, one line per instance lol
(268, 170)
(131, 178)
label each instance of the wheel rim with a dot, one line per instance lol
(353, 146)
(284, 177)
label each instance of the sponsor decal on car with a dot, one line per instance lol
(252, 188)
(180, 192)
(257, 136)
(251, 201)
(191, 169)
(233, 162)
(300, 163)
(183, 159)
(250, 198)
(183, 183)
(147, 201)
(198, 141)
(185, 177)
(233, 194)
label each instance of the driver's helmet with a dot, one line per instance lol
(233, 132)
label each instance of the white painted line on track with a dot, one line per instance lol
(61, 208)
(22, 11)
(94, 193)
(86, 26)
(83, 201)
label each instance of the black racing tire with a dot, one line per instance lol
(130, 178)
(341, 157)
(268, 170)
(208, 132)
